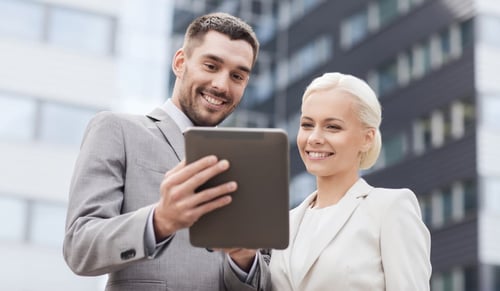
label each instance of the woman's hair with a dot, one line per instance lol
(368, 107)
(233, 27)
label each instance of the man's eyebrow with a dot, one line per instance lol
(220, 60)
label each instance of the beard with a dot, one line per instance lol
(198, 114)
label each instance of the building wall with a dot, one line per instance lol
(61, 62)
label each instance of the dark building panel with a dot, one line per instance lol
(455, 245)
(433, 169)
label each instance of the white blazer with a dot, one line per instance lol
(376, 241)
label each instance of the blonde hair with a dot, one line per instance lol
(368, 107)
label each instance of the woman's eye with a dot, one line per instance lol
(306, 125)
(334, 127)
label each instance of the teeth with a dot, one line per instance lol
(212, 100)
(317, 155)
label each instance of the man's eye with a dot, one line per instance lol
(210, 67)
(238, 77)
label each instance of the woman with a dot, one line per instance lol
(348, 235)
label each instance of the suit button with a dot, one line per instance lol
(128, 254)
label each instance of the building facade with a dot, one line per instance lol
(432, 64)
(61, 61)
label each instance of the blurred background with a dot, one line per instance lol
(433, 63)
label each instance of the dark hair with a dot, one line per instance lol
(233, 27)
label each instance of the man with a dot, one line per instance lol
(129, 219)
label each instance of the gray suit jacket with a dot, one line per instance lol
(115, 184)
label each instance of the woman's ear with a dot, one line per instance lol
(369, 137)
(178, 62)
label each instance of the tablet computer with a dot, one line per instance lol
(257, 217)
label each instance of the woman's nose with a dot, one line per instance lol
(316, 137)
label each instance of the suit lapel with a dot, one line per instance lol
(346, 207)
(170, 131)
(295, 219)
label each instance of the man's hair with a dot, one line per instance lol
(233, 27)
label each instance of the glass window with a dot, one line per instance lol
(388, 10)
(470, 197)
(47, 223)
(447, 203)
(21, 19)
(17, 118)
(466, 33)
(470, 277)
(394, 149)
(355, 28)
(445, 45)
(491, 199)
(387, 77)
(15, 212)
(448, 281)
(490, 108)
(426, 208)
(63, 124)
(300, 187)
(496, 275)
(488, 30)
(80, 30)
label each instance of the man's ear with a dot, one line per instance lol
(178, 62)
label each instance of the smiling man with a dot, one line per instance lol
(132, 196)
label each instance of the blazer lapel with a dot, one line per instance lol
(170, 131)
(346, 207)
(295, 218)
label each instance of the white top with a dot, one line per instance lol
(313, 225)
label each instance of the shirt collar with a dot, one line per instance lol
(180, 119)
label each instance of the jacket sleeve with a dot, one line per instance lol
(100, 239)
(405, 245)
(261, 280)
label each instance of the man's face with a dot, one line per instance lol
(212, 80)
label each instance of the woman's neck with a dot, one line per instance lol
(332, 188)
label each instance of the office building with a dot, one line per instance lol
(62, 61)
(432, 64)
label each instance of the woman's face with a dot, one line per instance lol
(331, 136)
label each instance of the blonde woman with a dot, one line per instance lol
(348, 235)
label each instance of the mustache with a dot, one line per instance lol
(213, 92)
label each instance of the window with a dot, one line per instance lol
(489, 26)
(18, 122)
(63, 124)
(47, 223)
(470, 196)
(388, 10)
(470, 279)
(422, 135)
(15, 212)
(21, 19)
(426, 208)
(354, 29)
(447, 204)
(466, 33)
(300, 187)
(491, 199)
(394, 149)
(80, 30)
(490, 108)
(387, 78)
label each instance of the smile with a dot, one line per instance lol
(212, 100)
(318, 155)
